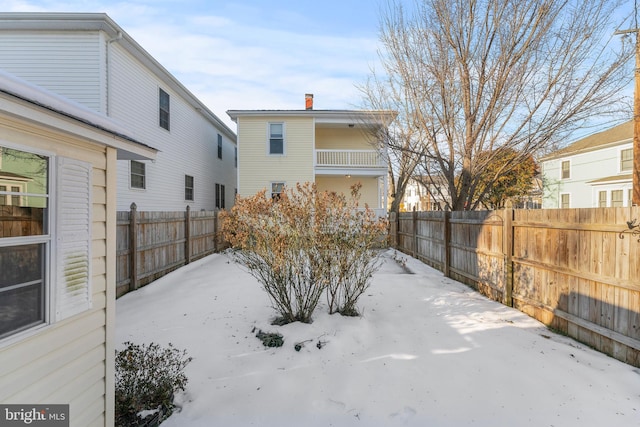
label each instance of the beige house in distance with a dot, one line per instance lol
(58, 163)
(331, 148)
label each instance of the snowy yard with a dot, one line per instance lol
(427, 351)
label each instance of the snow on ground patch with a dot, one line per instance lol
(426, 351)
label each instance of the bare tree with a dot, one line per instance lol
(473, 76)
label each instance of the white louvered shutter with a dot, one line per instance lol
(73, 240)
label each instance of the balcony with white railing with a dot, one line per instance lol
(344, 160)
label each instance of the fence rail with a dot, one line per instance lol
(152, 244)
(576, 270)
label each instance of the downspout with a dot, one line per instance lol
(108, 61)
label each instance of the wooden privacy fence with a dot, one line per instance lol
(572, 269)
(152, 244)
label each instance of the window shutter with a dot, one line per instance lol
(73, 238)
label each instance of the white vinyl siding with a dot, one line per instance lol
(68, 63)
(67, 361)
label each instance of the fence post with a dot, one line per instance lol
(215, 230)
(414, 228)
(507, 235)
(133, 247)
(187, 236)
(447, 244)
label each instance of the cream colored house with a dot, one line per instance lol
(58, 168)
(332, 148)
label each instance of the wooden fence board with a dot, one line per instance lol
(162, 242)
(569, 268)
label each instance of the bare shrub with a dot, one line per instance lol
(305, 243)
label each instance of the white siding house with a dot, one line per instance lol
(88, 58)
(592, 172)
(58, 163)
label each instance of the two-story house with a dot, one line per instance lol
(88, 58)
(332, 148)
(595, 171)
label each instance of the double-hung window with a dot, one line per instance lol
(188, 188)
(276, 138)
(565, 172)
(164, 109)
(220, 196)
(43, 278)
(276, 190)
(138, 175)
(626, 160)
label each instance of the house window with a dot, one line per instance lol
(602, 199)
(626, 160)
(276, 138)
(24, 243)
(617, 198)
(33, 289)
(138, 175)
(276, 190)
(566, 172)
(235, 154)
(630, 198)
(565, 201)
(219, 146)
(164, 109)
(188, 188)
(220, 196)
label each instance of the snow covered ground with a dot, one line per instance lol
(427, 351)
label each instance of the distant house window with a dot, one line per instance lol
(630, 200)
(276, 190)
(566, 171)
(626, 160)
(276, 138)
(602, 199)
(164, 109)
(219, 146)
(235, 152)
(3, 197)
(138, 175)
(188, 187)
(617, 198)
(220, 190)
(565, 201)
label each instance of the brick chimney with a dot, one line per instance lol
(308, 101)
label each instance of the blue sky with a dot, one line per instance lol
(253, 54)
(248, 54)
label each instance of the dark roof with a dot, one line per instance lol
(620, 134)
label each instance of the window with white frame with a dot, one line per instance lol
(630, 197)
(626, 160)
(565, 170)
(602, 199)
(188, 188)
(164, 109)
(219, 146)
(276, 190)
(138, 175)
(617, 198)
(41, 284)
(565, 201)
(276, 138)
